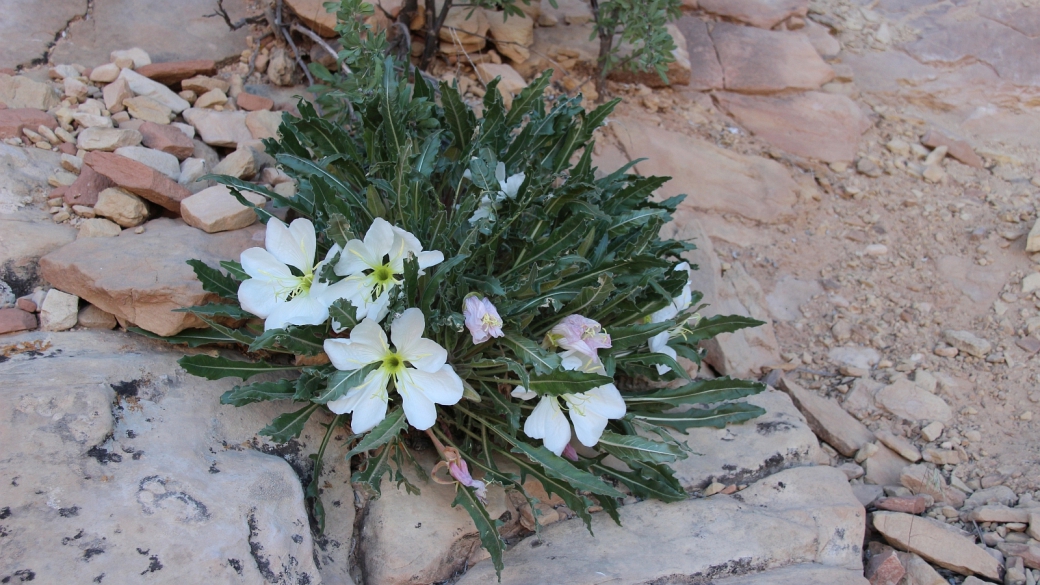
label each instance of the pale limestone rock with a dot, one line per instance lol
(138, 56)
(115, 94)
(92, 120)
(906, 400)
(216, 210)
(263, 124)
(215, 128)
(108, 139)
(143, 86)
(106, 73)
(213, 97)
(241, 164)
(18, 91)
(937, 542)
(829, 420)
(147, 109)
(191, 170)
(98, 228)
(121, 206)
(163, 162)
(59, 311)
(92, 317)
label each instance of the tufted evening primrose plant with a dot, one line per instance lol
(556, 343)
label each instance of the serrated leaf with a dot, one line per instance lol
(289, 425)
(636, 448)
(646, 481)
(387, 430)
(567, 382)
(214, 281)
(258, 392)
(190, 337)
(635, 335)
(700, 392)
(342, 381)
(234, 269)
(712, 326)
(215, 368)
(560, 468)
(369, 479)
(343, 314)
(486, 527)
(530, 353)
(717, 417)
(217, 310)
(339, 229)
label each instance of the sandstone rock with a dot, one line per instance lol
(139, 179)
(803, 574)
(226, 129)
(797, 516)
(202, 84)
(923, 479)
(216, 210)
(165, 163)
(465, 25)
(175, 71)
(29, 29)
(906, 504)
(263, 124)
(958, 149)
(314, 15)
(761, 61)
(18, 91)
(147, 109)
(191, 170)
(85, 190)
(998, 494)
(919, 572)
(813, 124)
(107, 139)
(997, 513)
(117, 409)
(1030, 553)
(143, 86)
(936, 542)
(280, 67)
(168, 139)
(885, 568)
(116, 93)
(884, 466)
(900, 445)
(92, 317)
(241, 164)
(1032, 241)
(980, 39)
(85, 120)
(679, 71)
(13, 320)
(122, 207)
(253, 103)
(137, 55)
(97, 228)
(749, 451)
(141, 278)
(211, 98)
(106, 73)
(967, 342)
(705, 70)
(906, 400)
(512, 35)
(59, 311)
(829, 420)
(14, 120)
(760, 13)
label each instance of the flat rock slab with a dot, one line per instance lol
(29, 27)
(139, 179)
(813, 124)
(760, 13)
(937, 542)
(120, 24)
(129, 468)
(714, 179)
(705, 70)
(798, 516)
(764, 61)
(141, 278)
(746, 452)
(806, 574)
(828, 419)
(1009, 52)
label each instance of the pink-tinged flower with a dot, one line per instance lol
(482, 319)
(582, 335)
(570, 453)
(458, 470)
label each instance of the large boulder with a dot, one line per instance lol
(764, 61)
(804, 515)
(120, 465)
(142, 278)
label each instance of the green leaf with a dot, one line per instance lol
(344, 314)
(636, 448)
(646, 481)
(552, 485)
(215, 281)
(191, 337)
(216, 310)
(567, 382)
(258, 392)
(302, 340)
(486, 527)
(234, 269)
(215, 368)
(700, 392)
(712, 326)
(342, 381)
(289, 425)
(339, 229)
(589, 297)
(635, 335)
(384, 432)
(368, 480)
(530, 353)
(717, 417)
(560, 468)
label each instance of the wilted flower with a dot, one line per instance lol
(659, 342)
(580, 335)
(277, 295)
(416, 365)
(491, 203)
(482, 319)
(459, 470)
(372, 266)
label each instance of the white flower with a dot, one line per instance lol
(372, 266)
(511, 186)
(482, 319)
(589, 412)
(659, 342)
(415, 364)
(508, 188)
(273, 292)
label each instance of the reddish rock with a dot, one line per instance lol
(814, 124)
(167, 138)
(26, 304)
(764, 61)
(3, 106)
(7, 71)
(1030, 553)
(67, 148)
(13, 120)
(958, 149)
(84, 190)
(139, 179)
(907, 504)
(12, 320)
(705, 70)
(760, 13)
(884, 568)
(253, 103)
(177, 71)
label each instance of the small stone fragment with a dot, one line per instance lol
(92, 317)
(216, 210)
(241, 164)
(967, 342)
(59, 311)
(138, 179)
(107, 139)
(106, 73)
(900, 445)
(211, 98)
(173, 71)
(923, 479)
(122, 207)
(115, 94)
(13, 320)
(932, 431)
(906, 504)
(97, 228)
(253, 103)
(884, 569)
(936, 542)
(147, 109)
(138, 57)
(165, 163)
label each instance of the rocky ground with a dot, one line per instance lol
(860, 174)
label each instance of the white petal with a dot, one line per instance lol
(331, 293)
(261, 264)
(398, 252)
(301, 310)
(367, 401)
(356, 258)
(522, 393)
(408, 328)
(379, 238)
(380, 307)
(283, 244)
(548, 423)
(588, 426)
(658, 341)
(668, 351)
(607, 401)
(303, 232)
(425, 355)
(259, 297)
(369, 332)
(442, 387)
(664, 314)
(429, 258)
(418, 408)
(411, 242)
(500, 172)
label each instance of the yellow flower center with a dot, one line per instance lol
(393, 364)
(490, 320)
